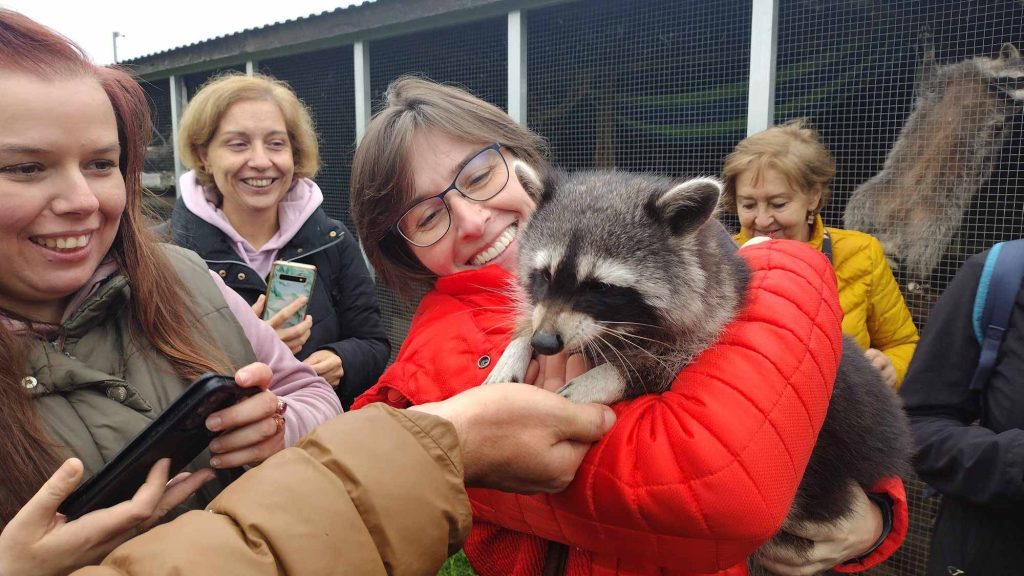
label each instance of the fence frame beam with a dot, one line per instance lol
(764, 31)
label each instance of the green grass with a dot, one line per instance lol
(457, 565)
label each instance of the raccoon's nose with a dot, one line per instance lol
(547, 343)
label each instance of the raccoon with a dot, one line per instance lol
(945, 152)
(635, 272)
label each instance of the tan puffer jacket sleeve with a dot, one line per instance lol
(376, 491)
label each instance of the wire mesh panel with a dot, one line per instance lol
(324, 81)
(193, 82)
(158, 171)
(639, 85)
(472, 56)
(940, 190)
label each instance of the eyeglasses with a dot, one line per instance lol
(482, 178)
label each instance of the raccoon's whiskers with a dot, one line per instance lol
(628, 338)
(640, 324)
(625, 361)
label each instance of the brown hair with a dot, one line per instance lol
(207, 108)
(792, 149)
(159, 313)
(382, 183)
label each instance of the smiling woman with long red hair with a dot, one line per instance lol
(98, 332)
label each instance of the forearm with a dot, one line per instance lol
(309, 398)
(970, 462)
(406, 513)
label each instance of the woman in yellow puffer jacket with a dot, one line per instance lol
(777, 181)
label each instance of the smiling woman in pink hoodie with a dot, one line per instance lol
(249, 200)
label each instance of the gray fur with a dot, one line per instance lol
(944, 153)
(662, 240)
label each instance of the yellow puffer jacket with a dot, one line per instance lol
(874, 313)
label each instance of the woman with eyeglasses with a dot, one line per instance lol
(249, 199)
(693, 480)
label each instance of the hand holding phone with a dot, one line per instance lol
(178, 433)
(288, 282)
(38, 543)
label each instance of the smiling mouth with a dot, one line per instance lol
(499, 246)
(259, 182)
(64, 242)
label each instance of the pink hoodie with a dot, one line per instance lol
(295, 208)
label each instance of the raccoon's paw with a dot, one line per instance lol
(602, 384)
(512, 365)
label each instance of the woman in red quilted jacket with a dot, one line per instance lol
(690, 481)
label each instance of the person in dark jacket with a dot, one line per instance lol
(249, 200)
(970, 443)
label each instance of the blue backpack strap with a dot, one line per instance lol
(997, 291)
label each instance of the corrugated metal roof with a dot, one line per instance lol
(344, 25)
(249, 30)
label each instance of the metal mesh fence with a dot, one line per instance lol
(324, 82)
(193, 82)
(471, 56)
(639, 85)
(857, 70)
(159, 166)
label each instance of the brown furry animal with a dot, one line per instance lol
(944, 153)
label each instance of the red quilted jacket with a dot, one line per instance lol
(687, 482)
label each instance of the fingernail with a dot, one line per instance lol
(608, 418)
(215, 446)
(213, 423)
(215, 462)
(242, 376)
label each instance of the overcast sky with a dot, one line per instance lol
(149, 26)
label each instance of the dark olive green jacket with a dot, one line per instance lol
(95, 387)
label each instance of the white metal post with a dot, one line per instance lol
(361, 69)
(517, 66)
(250, 67)
(179, 99)
(763, 36)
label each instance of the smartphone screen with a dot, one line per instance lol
(288, 281)
(178, 433)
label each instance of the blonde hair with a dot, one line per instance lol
(207, 108)
(382, 182)
(793, 149)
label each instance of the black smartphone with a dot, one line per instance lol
(178, 433)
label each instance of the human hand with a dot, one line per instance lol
(294, 336)
(39, 541)
(883, 364)
(552, 372)
(253, 428)
(834, 543)
(328, 365)
(519, 438)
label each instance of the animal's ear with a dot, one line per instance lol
(531, 182)
(687, 206)
(1008, 52)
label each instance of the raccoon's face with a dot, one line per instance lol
(603, 260)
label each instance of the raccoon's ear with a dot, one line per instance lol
(1008, 52)
(687, 206)
(530, 181)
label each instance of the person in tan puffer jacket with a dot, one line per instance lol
(375, 491)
